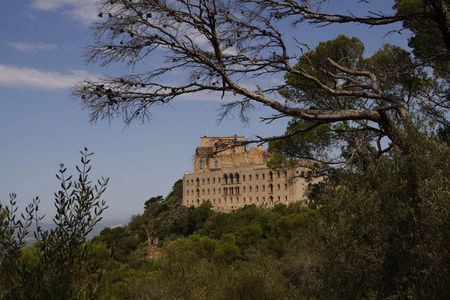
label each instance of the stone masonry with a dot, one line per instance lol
(238, 176)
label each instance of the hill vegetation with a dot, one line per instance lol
(374, 232)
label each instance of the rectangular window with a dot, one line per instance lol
(216, 164)
(201, 164)
(251, 160)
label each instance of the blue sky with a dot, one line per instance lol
(41, 126)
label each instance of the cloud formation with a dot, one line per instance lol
(33, 47)
(84, 10)
(30, 78)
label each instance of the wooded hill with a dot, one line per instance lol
(379, 231)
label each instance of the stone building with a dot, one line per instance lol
(238, 176)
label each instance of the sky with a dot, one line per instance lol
(42, 126)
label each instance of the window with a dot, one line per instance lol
(216, 164)
(201, 164)
(285, 186)
(257, 176)
(251, 160)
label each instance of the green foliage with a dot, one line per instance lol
(317, 143)
(379, 232)
(385, 231)
(351, 141)
(121, 241)
(54, 267)
(427, 40)
(345, 51)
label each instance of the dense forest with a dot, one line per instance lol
(377, 230)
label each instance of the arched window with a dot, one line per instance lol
(231, 178)
(236, 175)
(225, 177)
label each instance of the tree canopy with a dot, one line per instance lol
(225, 46)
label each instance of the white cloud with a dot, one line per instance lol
(33, 47)
(84, 10)
(31, 78)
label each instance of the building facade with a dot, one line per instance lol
(238, 176)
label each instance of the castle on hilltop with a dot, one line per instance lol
(231, 177)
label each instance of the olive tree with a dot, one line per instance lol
(55, 267)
